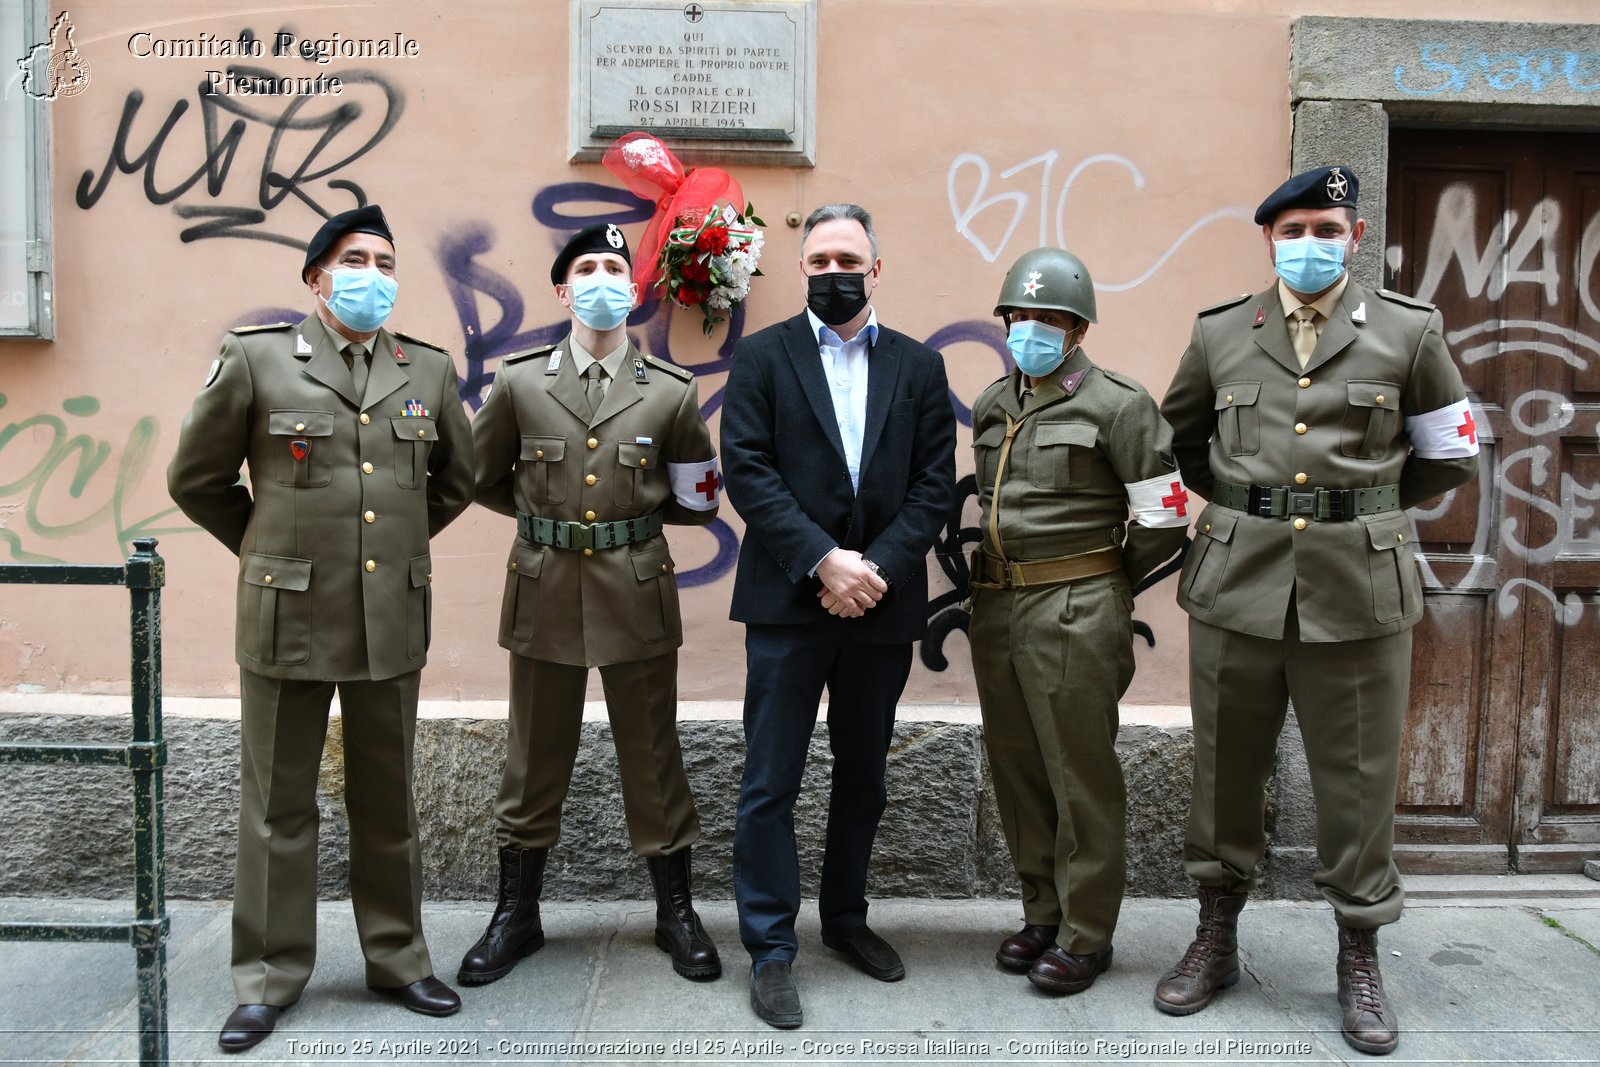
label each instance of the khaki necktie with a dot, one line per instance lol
(358, 369)
(594, 389)
(1305, 334)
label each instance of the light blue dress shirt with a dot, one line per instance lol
(844, 364)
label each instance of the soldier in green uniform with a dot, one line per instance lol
(1310, 415)
(358, 452)
(1066, 452)
(593, 446)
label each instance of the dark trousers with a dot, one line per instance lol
(787, 668)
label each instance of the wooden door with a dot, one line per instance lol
(1500, 765)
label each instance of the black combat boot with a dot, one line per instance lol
(678, 929)
(514, 930)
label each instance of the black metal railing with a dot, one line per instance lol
(145, 755)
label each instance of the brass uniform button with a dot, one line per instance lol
(1228, 399)
(588, 552)
(430, 578)
(365, 418)
(1304, 383)
(371, 566)
(1400, 537)
(644, 461)
(588, 516)
(1208, 527)
(592, 443)
(1300, 479)
(663, 568)
(513, 566)
(422, 433)
(1299, 524)
(590, 479)
(366, 468)
(299, 426)
(268, 579)
(369, 516)
(1299, 427)
(538, 453)
(1379, 398)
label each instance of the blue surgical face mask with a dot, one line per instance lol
(601, 302)
(362, 297)
(1309, 264)
(1037, 348)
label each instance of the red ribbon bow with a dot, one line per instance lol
(681, 194)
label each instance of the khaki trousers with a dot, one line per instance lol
(546, 718)
(1051, 664)
(275, 878)
(1350, 700)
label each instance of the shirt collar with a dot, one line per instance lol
(341, 342)
(826, 335)
(611, 362)
(1322, 305)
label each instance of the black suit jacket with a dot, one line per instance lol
(785, 473)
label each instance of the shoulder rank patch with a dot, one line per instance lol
(1126, 383)
(420, 341)
(262, 327)
(1400, 298)
(638, 370)
(1225, 305)
(671, 368)
(527, 353)
(211, 375)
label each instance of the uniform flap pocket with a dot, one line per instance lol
(421, 570)
(277, 572)
(1375, 395)
(1217, 524)
(1389, 531)
(414, 428)
(300, 423)
(633, 454)
(1237, 394)
(526, 559)
(1064, 433)
(991, 437)
(652, 564)
(543, 449)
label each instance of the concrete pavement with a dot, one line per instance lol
(1482, 970)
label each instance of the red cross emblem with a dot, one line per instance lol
(709, 484)
(1178, 501)
(1468, 428)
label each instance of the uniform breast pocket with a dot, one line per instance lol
(519, 607)
(413, 443)
(1238, 418)
(542, 469)
(275, 609)
(1207, 561)
(1063, 456)
(657, 606)
(300, 438)
(1372, 420)
(986, 453)
(1396, 589)
(636, 464)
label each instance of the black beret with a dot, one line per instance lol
(1320, 188)
(601, 237)
(367, 219)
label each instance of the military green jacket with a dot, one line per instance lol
(344, 492)
(1379, 403)
(1090, 447)
(645, 450)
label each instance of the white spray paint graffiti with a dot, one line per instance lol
(978, 203)
(1503, 260)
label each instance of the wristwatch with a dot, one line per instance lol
(877, 570)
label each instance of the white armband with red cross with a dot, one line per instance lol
(1159, 502)
(697, 486)
(1448, 433)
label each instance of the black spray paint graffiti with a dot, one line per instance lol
(304, 142)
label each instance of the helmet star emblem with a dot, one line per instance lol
(1031, 287)
(1338, 185)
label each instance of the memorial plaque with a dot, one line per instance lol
(733, 82)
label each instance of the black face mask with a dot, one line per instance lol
(836, 298)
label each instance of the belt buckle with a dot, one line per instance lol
(1302, 504)
(1258, 500)
(580, 535)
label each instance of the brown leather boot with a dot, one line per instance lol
(1370, 1024)
(678, 929)
(1211, 962)
(514, 929)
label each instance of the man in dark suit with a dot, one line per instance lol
(838, 441)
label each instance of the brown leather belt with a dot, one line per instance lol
(990, 573)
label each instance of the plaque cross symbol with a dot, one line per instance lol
(1178, 501)
(694, 12)
(709, 485)
(1468, 428)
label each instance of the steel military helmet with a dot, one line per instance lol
(1048, 278)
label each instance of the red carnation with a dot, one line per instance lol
(713, 239)
(691, 295)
